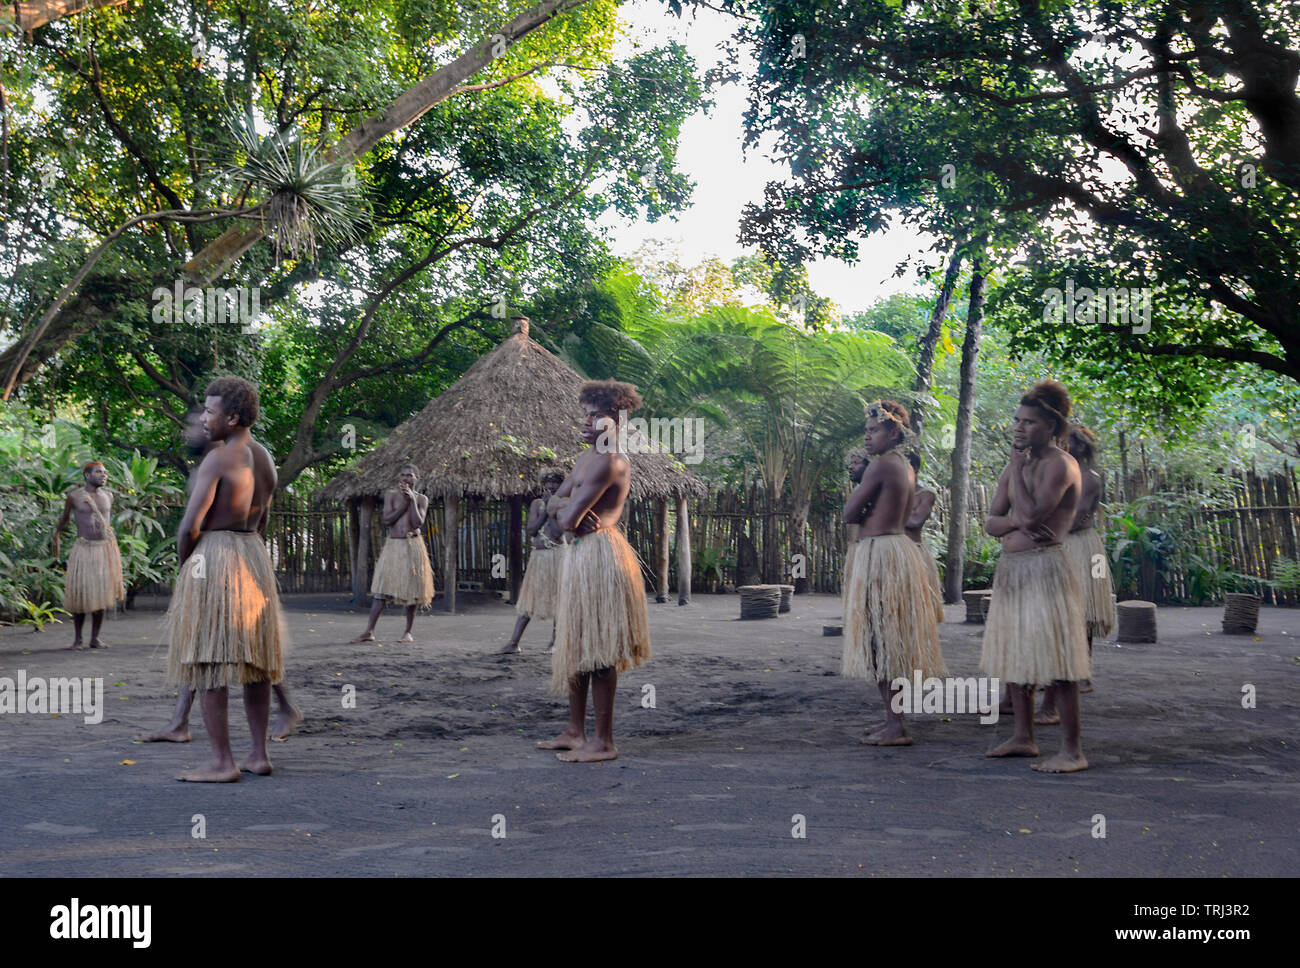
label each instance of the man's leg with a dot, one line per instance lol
(410, 622)
(368, 635)
(601, 746)
(894, 732)
(96, 623)
(1047, 714)
(1022, 742)
(575, 734)
(257, 707)
(222, 770)
(178, 730)
(1086, 684)
(1071, 758)
(512, 646)
(78, 619)
(287, 716)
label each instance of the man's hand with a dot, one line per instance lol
(1018, 458)
(1041, 533)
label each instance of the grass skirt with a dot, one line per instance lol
(1034, 633)
(403, 574)
(600, 611)
(224, 622)
(540, 585)
(94, 578)
(889, 613)
(932, 568)
(1081, 548)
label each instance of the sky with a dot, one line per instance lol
(709, 153)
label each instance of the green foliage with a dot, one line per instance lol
(1285, 574)
(39, 616)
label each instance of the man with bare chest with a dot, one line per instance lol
(922, 504)
(541, 581)
(890, 632)
(1034, 634)
(94, 578)
(403, 573)
(224, 622)
(601, 626)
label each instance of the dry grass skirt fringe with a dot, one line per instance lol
(890, 630)
(540, 585)
(224, 623)
(403, 573)
(1087, 557)
(1034, 633)
(94, 578)
(600, 611)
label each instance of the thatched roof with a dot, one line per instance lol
(514, 411)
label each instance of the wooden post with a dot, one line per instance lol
(365, 513)
(354, 544)
(451, 542)
(661, 549)
(516, 546)
(683, 553)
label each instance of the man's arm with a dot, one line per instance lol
(584, 498)
(997, 524)
(63, 521)
(863, 496)
(395, 504)
(206, 480)
(1030, 512)
(536, 517)
(419, 510)
(921, 510)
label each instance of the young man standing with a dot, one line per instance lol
(94, 579)
(601, 626)
(922, 504)
(224, 621)
(1034, 633)
(890, 631)
(541, 579)
(403, 574)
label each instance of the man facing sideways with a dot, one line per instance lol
(94, 579)
(922, 504)
(224, 622)
(403, 574)
(601, 626)
(198, 444)
(541, 579)
(1034, 633)
(890, 632)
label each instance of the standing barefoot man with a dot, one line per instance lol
(224, 620)
(403, 574)
(1034, 634)
(94, 579)
(541, 580)
(889, 618)
(922, 504)
(198, 444)
(601, 627)
(1088, 559)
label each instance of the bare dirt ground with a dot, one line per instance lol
(752, 725)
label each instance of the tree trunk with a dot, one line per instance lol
(354, 545)
(683, 553)
(451, 548)
(516, 546)
(925, 361)
(361, 575)
(957, 524)
(661, 549)
(798, 541)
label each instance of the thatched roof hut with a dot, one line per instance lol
(487, 435)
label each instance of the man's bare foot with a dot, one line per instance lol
(98, 644)
(891, 734)
(408, 637)
(551, 651)
(78, 647)
(1006, 709)
(1061, 763)
(565, 741)
(211, 774)
(511, 648)
(363, 637)
(285, 721)
(1014, 747)
(1085, 685)
(168, 735)
(1046, 717)
(592, 752)
(260, 766)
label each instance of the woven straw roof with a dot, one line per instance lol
(514, 411)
